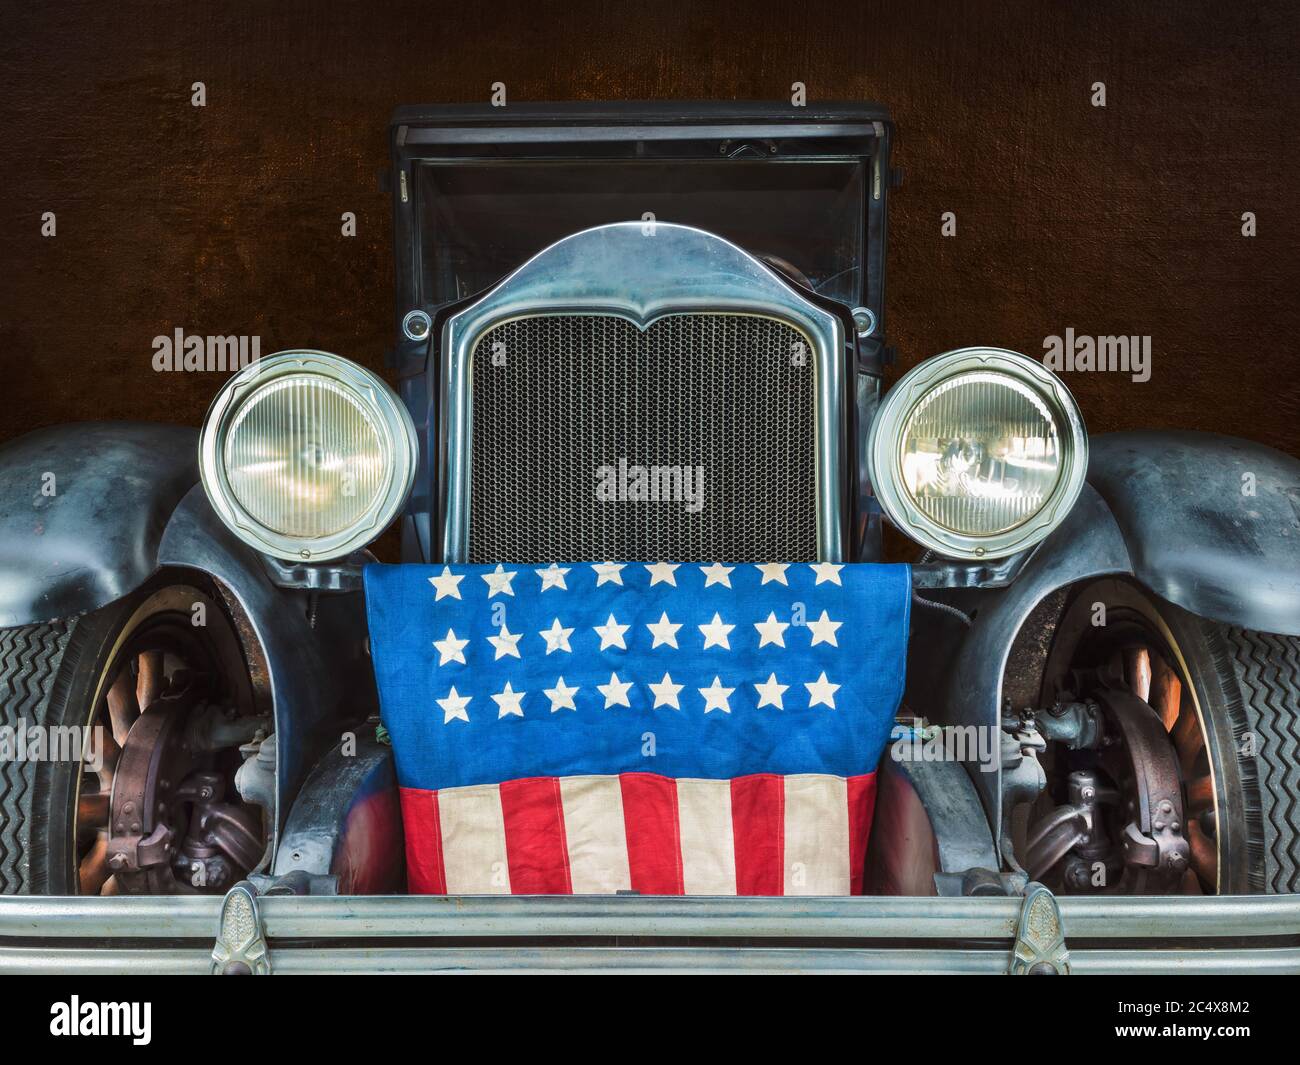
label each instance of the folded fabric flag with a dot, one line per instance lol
(660, 728)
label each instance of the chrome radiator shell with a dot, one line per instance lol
(643, 273)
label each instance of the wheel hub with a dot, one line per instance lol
(169, 829)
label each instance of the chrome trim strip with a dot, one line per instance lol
(54, 917)
(641, 271)
(175, 935)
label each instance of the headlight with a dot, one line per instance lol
(306, 455)
(978, 453)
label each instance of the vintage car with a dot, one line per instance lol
(1111, 626)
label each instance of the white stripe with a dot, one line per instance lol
(596, 835)
(708, 846)
(816, 835)
(474, 840)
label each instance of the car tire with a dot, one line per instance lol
(56, 674)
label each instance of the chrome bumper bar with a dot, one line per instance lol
(641, 934)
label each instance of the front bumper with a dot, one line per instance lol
(411, 934)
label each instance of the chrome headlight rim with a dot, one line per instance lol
(884, 452)
(390, 418)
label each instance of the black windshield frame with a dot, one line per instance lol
(594, 145)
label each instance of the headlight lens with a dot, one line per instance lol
(978, 453)
(306, 455)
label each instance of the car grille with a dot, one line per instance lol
(557, 397)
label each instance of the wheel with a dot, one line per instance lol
(1214, 708)
(124, 728)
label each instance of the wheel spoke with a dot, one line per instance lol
(1200, 795)
(110, 755)
(122, 707)
(1166, 692)
(92, 810)
(93, 870)
(150, 683)
(1137, 671)
(1187, 738)
(1205, 855)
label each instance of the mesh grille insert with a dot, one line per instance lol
(558, 397)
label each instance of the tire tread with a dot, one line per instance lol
(30, 658)
(1260, 674)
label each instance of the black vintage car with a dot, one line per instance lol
(1110, 626)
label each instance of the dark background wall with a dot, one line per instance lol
(226, 219)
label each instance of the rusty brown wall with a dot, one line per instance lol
(226, 219)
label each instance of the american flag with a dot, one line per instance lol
(662, 728)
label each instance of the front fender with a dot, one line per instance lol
(82, 511)
(1165, 508)
(1212, 523)
(315, 652)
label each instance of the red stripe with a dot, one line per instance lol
(758, 827)
(425, 874)
(862, 807)
(653, 840)
(536, 847)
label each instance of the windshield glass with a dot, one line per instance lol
(479, 221)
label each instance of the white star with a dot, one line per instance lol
(447, 583)
(608, 571)
(453, 707)
(611, 633)
(821, 691)
(715, 633)
(823, 630)
(769, 692)
(662, 571)
(774, 571)
(556, 637)
(771, 630)
(665, 693)
(664, 631)
(826, 571)
(509, 702)
(451, 649)
(561, 696)
(715, 696)
(716, 574)
(498, 581)
(552, 577)
(615, 692)
(506, 643)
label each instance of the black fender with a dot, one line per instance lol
(82, 511)
(1166, 508)
(1212, 523)
(126, 503)
(313, 649)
